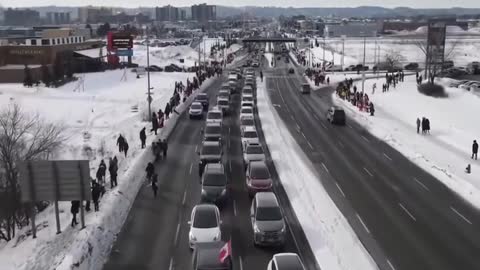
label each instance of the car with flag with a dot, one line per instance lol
(290, 261)
(212, 256)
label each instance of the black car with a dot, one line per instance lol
(291, 70)
(411, 66)
(206, 256)
(214, 184)
(336, 115)
(203, 98)
(211, 152)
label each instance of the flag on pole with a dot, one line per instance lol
(225, 252)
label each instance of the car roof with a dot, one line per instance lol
(214, 168)
(196, 103)
(205, 207)
(214, 111)
(207, 255)
(202, 95)
(211, 143)
(266, 199)
(336, 108)
(249, 129)
(288, 261)
(213, 124)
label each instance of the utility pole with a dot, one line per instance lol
(364, 52)
(148, 76)
(343, 50)
(323, 60)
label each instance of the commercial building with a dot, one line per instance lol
(93, 14)
(168, 14)
(21, 17)
(204, 13)
(353, 29)
(390, 26)
(58, 18)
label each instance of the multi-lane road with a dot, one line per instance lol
(404, 217)
(155, 235)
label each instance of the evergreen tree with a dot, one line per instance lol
(27, 81)
(46, 76)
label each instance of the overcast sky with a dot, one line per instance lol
(283, 3)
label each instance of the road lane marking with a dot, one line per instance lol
(241, 262)
(421, 184)
(385, 155)
(349, 126)
(176, 234)
(341, 191)
(196, 148)
(323, 125)
(234, 208)
(325, 167)
(311, 146)
(462, 216)
(341, 144)
(369, 173)
(304, 136)
(184, 197)
(191, 167)
(363, 137)
(390, 264)
(363, 223)
(171, 264)
(230, 165)
(406, 211)
(291, 116)
(298, 127)
(316, 117)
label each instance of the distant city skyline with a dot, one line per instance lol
(277, 3)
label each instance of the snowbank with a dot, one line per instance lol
(331, 238)
(447, 151)
(270, 59)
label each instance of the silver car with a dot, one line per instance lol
(253, 152)
(196, 110)
(267, 220)
(214, 184)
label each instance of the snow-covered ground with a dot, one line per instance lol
(444, 153)
(331, 238)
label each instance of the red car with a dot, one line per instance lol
(258, 177)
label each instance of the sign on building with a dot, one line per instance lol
(435, 46)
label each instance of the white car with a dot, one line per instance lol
(196, 110)
(285, 261)
(246, 111)
(467, 85)
(215, 116)
(253, 152)
(204, 224)
(247, 121)
(247, 101)
(249, 135)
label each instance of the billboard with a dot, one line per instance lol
(435, 46)
(119, 40)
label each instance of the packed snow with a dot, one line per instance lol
(444, 153)
(333, 242)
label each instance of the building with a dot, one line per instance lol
(93, 14)
(353, 29)
(390, 26)
(58, 18)
(204, 13)
(21, 17)
(167, 14)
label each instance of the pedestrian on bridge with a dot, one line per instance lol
(474, 149)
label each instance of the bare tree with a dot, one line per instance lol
(22, 137)
(393, 59)
(432, 68)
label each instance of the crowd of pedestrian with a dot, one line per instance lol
(349, 92)
(317, 76)
(424, 124)
(392, 80)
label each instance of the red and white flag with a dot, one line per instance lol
(225, 252)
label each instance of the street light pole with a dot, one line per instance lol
(148, 77)
(363, 71)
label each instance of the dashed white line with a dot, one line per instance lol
(341, 191)
(241, 262)
(349, 126)
(196, 148)
(421, 184)
(234, 208)
(291, 116)
(341, 144)
(191, 167)
(363, 137)
(171, 264)
(323, 125)
(460, 215)
(316, 117)
(406, 211)
(363, 223)
(184, 197)
(390, 264)
(367, 171)
(311, 146)
(325, 167)
(304, 135)
(385, 155)
(298, 127)
(176, 234)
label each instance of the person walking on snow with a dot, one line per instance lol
(74, 210)
(474, 149)
(150, 170)
(96, 190)
(143, 137)
(167, 110)
(112, 168)
(261, 75)
(120, 142)
(164, 148)
(101, 171)
(125, 148)
(154, 123)
(418, 125)
(427, 125)
(154, 185)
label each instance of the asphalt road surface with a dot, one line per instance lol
(405, 218)
(155, 235)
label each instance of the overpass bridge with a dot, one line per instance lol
(265, 39)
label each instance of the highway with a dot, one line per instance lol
(155, 235)
(405, 218)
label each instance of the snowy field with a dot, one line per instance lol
(454, 125)
(333, 242)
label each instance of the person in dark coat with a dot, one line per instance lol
(372, 109)
(74, 210)
(423, 125)
(164, 148)
(150, 170)
(418, 125)
(143, 137)
(474, 149)
(112, 168)
(427, 125)
(96, 191)
(167, 110)
(154, 184)
(154, 122)
(101, 171)
(125, 148)
(120, 143)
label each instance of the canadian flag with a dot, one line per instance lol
(225, 252)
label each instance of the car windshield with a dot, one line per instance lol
(246, 110)
(204, 219)
(268, 213)
(247, 99)
(214, 115)
(201, 97)
(250, 134)
(215, 179)
(254, 149)
(196, 106)
(247, 122)
(222, 102)
(210, 150)
(223, 94)
(259, 172)
(247, 91)
(213, 130)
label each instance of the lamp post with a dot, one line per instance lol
(363, 67)
(149, 99)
